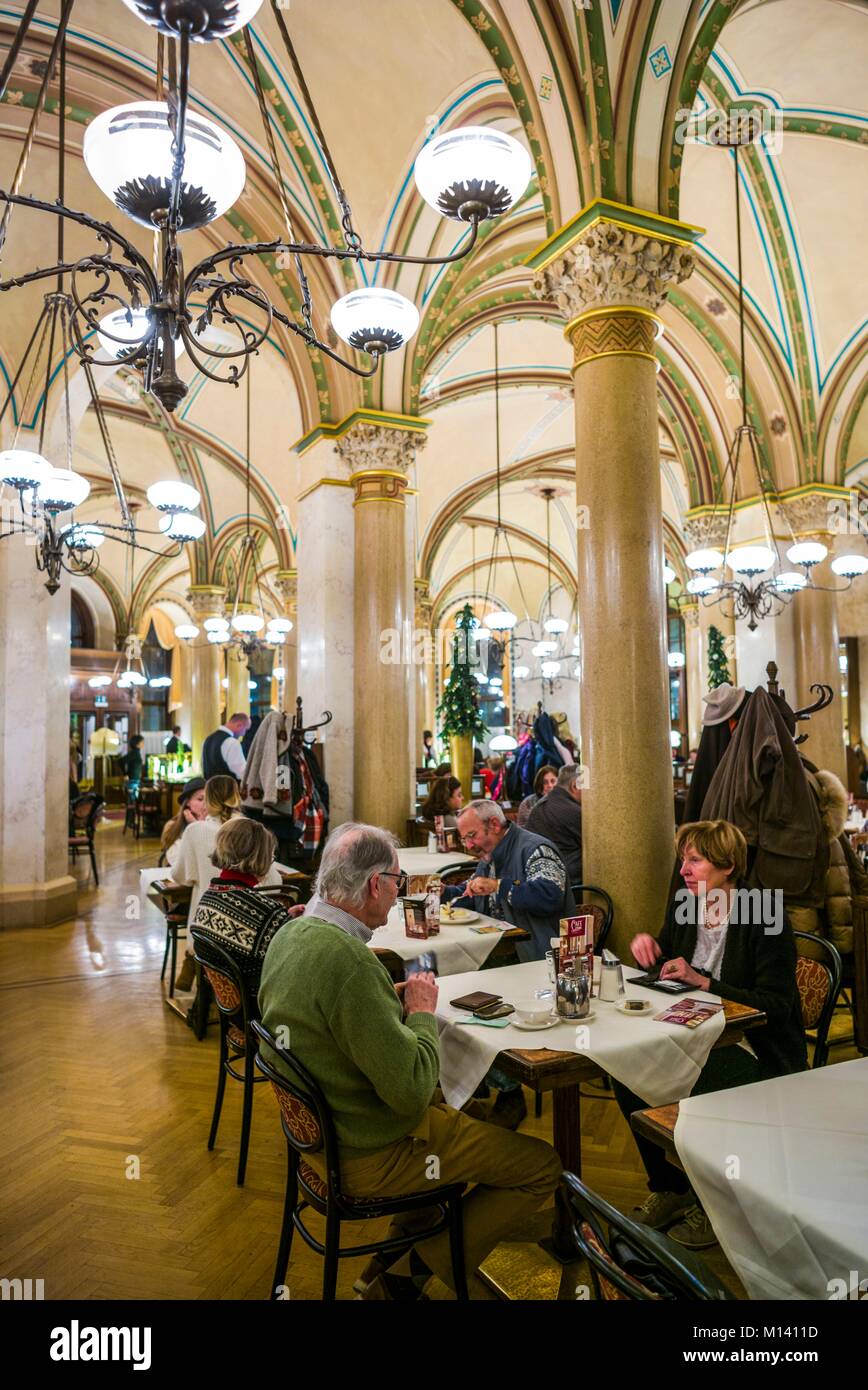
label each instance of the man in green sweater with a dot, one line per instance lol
(376, 1059)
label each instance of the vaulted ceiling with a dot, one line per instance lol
(597, 93)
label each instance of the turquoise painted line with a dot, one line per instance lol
(255, 472)
(538, 207)
(517, 367)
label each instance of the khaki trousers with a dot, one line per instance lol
(514, 1175)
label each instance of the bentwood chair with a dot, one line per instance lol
(603, 914)
(85, 813)
(237, 1039)
(307, 1125)
(173, 900)
(819, 983)
(633, 1262)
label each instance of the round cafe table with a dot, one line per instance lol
(418, 864)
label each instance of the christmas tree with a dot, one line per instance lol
(459, 712)
(718, 670)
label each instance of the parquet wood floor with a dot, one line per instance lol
(100, 1080)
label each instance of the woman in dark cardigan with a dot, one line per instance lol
(717, 938)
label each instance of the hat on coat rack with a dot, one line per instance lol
(722, 703)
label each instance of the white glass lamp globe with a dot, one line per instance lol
(173, 497)
(790, 582)
(134, 678)
(181, 526)
(503, 743)
(550, 669)
(675, 738)
(676, 661)
(481, 677)
(375, 320)
(750, 559)
(251, 685)
(62, 490)
(555, 625)
(474, 171)
(280, 625)
(702, 585)
(704, 561)
(186, 631)
(521, 673)
(248, 622)
(128, 153)
(122, 682)
(544, 649)
(807, 553)
(279, 673)
(220, 634)
(668, 574)
(99, 682)
(22, 468)
(495, 682)
(850, 566)
(278, 638)
(210, 19)
(502, 620)
(84, 537)
(215, 624)
(159, 682)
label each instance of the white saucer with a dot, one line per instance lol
(635, 1013)
(535, 1027)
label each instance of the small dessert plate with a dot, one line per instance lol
(644, 1007)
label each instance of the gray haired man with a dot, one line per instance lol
(558, 817)
(376, 1059)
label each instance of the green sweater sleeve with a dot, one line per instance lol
(401, 1059)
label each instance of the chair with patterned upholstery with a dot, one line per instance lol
(633, 1262)
(819, 983)
(308, 1128)
(236, 1036)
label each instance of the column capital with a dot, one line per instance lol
(690, 614)
(609, 284)
(285, 583)
(206, 600)
(705, 528)
(379, 457)
(811, 513)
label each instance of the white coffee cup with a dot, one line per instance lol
(533, 1011)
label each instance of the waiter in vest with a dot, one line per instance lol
(221, 751)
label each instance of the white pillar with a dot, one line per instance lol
(36, 888)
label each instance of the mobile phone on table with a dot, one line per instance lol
(499, 1010)
(427, 961)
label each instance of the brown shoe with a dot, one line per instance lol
(186, 975)
(377, 1292)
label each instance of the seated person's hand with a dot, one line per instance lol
(678, 969)
(297, 911)
(420, 994)
(481, 887)
(645, 950)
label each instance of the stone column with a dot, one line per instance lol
(237, 693)
(609, 285)
(36, 887)
(206, 692)
(286, 585)
(706, 530)
(424, 664)
(380, 457)
(815, 640)
(695, 688)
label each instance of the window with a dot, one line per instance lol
(80, 623)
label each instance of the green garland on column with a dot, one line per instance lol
(459, 711)
(718, 669)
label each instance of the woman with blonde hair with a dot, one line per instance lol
(194, 864)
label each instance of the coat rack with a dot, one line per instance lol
(299, 728)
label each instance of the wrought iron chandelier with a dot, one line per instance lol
(747, 595)
(172, 170)
(45, 493)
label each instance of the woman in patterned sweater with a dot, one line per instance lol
(233, 913)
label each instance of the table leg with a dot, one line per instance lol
(567, 1127)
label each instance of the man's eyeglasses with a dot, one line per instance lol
(401, 877)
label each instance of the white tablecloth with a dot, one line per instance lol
(456, 948)
(796, 1216)
(150, 912)
(416, 862)
(659, 1061)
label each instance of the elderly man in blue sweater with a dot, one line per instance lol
(521, 876)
